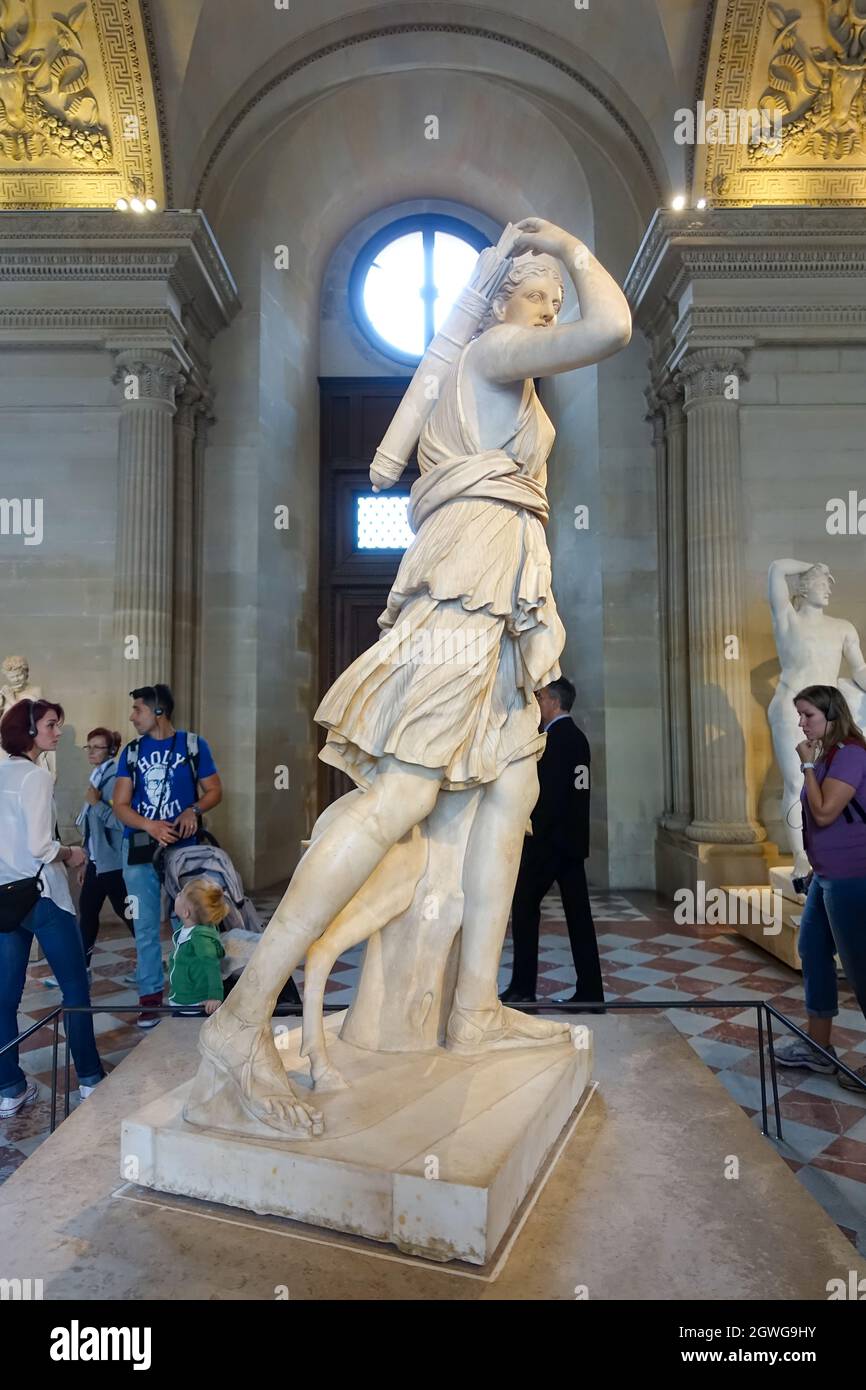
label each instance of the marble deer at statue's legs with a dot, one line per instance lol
(240, 1063)
(386, 895)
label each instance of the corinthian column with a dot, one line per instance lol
(145, 506)
(677, 610)
(717, 661)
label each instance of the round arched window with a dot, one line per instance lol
(406, 279)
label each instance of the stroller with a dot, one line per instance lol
(241, 928)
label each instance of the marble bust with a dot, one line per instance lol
(16, 683)
(811, 647)
(16, 686)
(439, 735)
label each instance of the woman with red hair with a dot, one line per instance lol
(30, 849)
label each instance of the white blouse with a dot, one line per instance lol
(28, 818)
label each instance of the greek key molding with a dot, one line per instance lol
(462, 30)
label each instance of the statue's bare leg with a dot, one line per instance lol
(366, 914)
(236, 1043)
(478, 1021)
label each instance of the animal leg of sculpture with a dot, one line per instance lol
(237, 1039)
(386, 895)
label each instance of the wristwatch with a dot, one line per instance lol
(804, 766)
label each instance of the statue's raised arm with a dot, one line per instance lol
(513, 350)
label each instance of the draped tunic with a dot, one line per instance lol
(470, 630)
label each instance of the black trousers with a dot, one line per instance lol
(95, 889)
(540, 868)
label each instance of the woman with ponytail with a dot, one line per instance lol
(833, 762)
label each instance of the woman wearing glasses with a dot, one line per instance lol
(102, 837)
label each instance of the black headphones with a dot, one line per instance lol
(159, 707)
(32, 728)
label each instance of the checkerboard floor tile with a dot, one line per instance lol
(645, 956)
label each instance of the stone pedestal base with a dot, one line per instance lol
(430, 1152)
(683, 863)
(786, 910)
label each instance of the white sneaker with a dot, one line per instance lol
(85, 1091)
(795, 1052)
(10, 1105)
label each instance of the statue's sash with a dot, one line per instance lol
(492, 475)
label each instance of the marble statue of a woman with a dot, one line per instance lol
(420, 735)
(811, 646)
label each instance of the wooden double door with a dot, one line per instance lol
(353, 581)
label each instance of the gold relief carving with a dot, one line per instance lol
(819, 93)
(78, 123)
(805, 67)
(47, 106)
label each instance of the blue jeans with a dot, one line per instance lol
(834, 919)
(143, 886)
(58, 935)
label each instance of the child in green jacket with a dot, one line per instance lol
(194, 968)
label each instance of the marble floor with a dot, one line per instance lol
(646, 957)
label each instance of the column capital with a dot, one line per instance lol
(158, 375)
(189, 405)
(704, 374)
(655, 413)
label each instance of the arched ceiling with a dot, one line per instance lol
(214, 61)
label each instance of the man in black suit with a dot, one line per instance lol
(555, 853)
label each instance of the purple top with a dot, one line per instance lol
(838, 850)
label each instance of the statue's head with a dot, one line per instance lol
(530, 296)
(814, 586)
(16, 672)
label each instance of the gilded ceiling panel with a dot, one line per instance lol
(78, 123)
(784, 117)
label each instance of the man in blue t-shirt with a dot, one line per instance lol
(166, 780)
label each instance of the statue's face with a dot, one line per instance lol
(535, 303)
(818, 590)
(16, 674)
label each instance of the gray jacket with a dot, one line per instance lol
(100, 828)
(185, 862)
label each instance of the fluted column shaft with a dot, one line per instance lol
(677, 611)
(656, 417)
(203, 420)
(185, 554)
(718, 669)
(144, 578)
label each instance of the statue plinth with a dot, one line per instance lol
(427, 1151)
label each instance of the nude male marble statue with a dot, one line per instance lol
(438, 748)
(811, 647)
